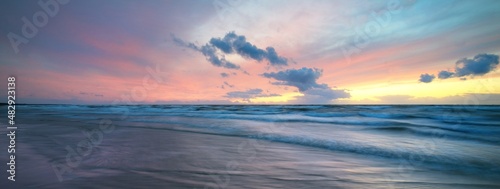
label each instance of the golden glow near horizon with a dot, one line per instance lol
(410, 88)
(436, 89)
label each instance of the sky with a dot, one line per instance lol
(251, 52)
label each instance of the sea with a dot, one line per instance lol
(253, 146)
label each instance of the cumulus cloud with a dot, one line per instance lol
(248, 94)
(426, 78)
(479, 65)
(232, 43)
(305, 79)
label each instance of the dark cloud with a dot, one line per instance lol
(233, 43)
(445, 74)
(210, 53)
(248, 94)
(223, 44)
(229, 85)
(426, 78)
(273, 57)
(305, 79)
(479, 65)
(224, 75)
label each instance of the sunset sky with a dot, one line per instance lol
(255, 51)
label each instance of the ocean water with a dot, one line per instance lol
(261, 146)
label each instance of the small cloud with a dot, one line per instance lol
(226, 83)
(426, 78)
(181, 42)
(224, 75)
(445, 74)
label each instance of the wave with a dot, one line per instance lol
(411, 117)
(413, 156)
(432, 132)
(297, 118)
(386, 115)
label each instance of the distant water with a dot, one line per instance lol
(244, 146)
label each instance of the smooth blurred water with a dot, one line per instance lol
(242, 146)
